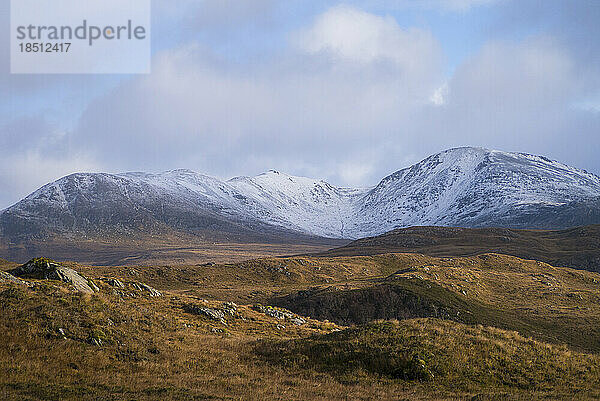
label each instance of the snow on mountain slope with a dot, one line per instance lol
(304, 204)
(124, 203)
(473, 187)
(469, 187)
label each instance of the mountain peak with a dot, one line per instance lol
(468, 187)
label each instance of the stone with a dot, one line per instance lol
(230, 308)
(153, 292)
(9, 278)
(272, 312)
(96, 341)
(62, 333)
(46, 269)
(214, 314)
(93, 285)
(113, 282)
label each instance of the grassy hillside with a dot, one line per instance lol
(577, 248)
(121, 344)
(559, 305)
(193, 343)
(443, 354)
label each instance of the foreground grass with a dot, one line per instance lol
(153, 349)
(444, 354)
(121, 344)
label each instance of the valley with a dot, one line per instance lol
(577, 247)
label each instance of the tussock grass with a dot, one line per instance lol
(444, 354)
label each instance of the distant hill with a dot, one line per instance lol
(577, 247)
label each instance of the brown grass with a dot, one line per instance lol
(154, 349)
(576, 247)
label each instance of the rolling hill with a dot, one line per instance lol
(578, 247)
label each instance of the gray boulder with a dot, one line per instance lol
(152, 291)
(113, 282)
(214, 314)
(146, 288)
(280, 313)
(272, 312)
(47, 269)
(9, 278)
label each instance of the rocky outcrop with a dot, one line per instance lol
(131, 288)
(9, 278)
(151, 291)
(214, 314)
(280, 313)
(47, 269)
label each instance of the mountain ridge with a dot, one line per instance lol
(466, 187)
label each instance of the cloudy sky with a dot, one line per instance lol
(348, 92)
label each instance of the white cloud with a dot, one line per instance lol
(354, 98)
(33, 152)
(445, 5)
(438, 97)
(533, 73)
(348, 33)
(515, 96)
(463, 5)
(332, 112)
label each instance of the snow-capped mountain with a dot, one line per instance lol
(474, 187)
(468, 187)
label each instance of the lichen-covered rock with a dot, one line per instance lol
(298, 321)
(113, 282)
(214, 314)
(276, 313)
(9, 278)
(230, 308)
(47, 269)
(93, 285)
(152, 291)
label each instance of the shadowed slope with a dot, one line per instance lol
(578, 248)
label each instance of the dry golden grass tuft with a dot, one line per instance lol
(444, 354)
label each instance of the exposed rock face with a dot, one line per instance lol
(214, 314)
(131, 288)
(9, 278)
(113, 282)
(230, 308)
(151, 291)
(279, 313)
(47, 269)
